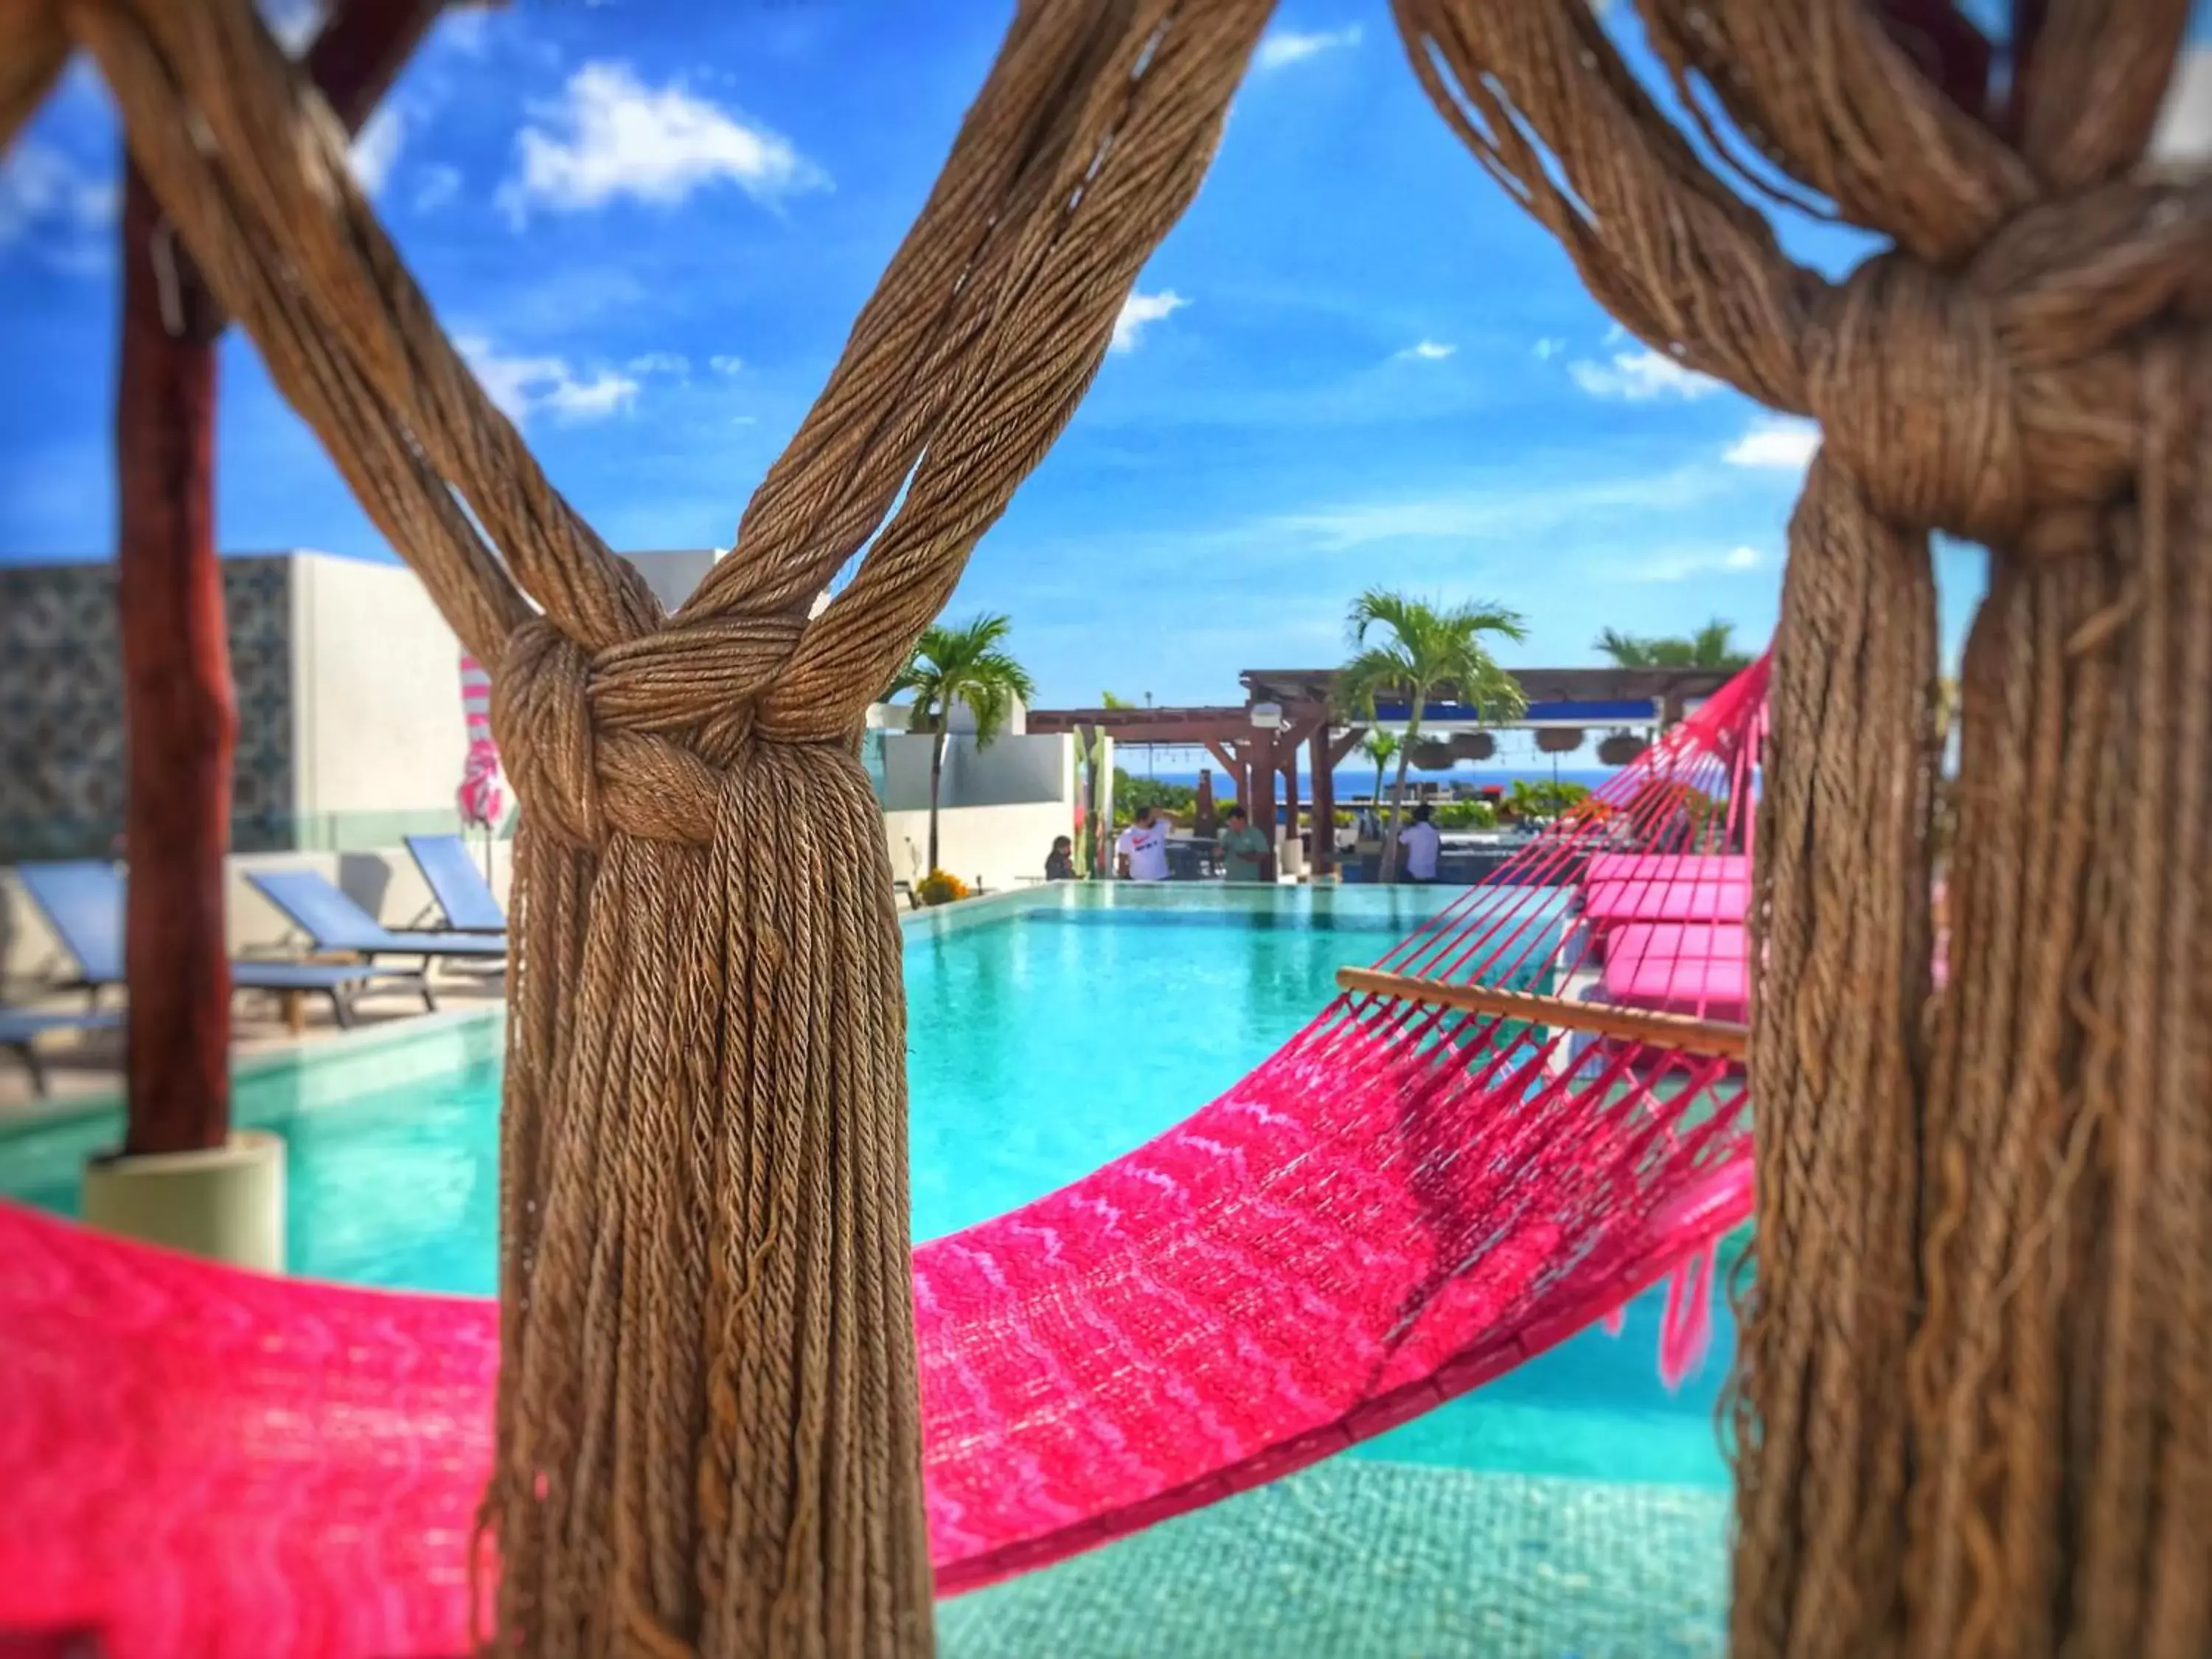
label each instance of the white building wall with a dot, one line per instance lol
(1010, 772)
(674, 573)
(379, 738)
(999, 846)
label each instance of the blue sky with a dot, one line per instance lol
(1352, 363)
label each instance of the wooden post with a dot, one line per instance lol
(1231, 753)
(180, 710)
(1260, 776)
(1324, 805)
(1286, 756)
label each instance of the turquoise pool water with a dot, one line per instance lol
(1045, 1039)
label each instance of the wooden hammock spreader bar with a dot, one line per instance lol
(1679, 1031)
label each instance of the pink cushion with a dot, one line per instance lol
(1668, 866)
(1706, 987)
(1695, 941)
(1667, 899)
(1680, 967)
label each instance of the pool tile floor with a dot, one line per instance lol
(1358, 1559)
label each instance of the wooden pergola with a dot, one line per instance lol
(1287, 710)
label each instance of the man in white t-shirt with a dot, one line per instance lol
(1419, 843)
(1143, 848)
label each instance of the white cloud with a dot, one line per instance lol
(722, 365)
(660, 362)
(1546, 350)
(1433, 351)
(1681, 564)
(441, 185)
(45, 193)
(376, 148)
(2183, 134)
(1139, 311)
(1284, 46)
(524, 387)
(462, 28)
(1640, 376)
(611, 136)
(1781, 442)
(1496, 510)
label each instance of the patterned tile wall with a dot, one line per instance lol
(61, 708)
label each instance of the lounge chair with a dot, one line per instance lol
(1675, 968)
(82, 903)
(459, 886)
(21, 1028)
(335, 923)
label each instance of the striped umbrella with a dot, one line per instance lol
(483, 793)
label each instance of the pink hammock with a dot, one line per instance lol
(1398, 1205)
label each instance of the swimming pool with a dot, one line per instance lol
(1573, 1506)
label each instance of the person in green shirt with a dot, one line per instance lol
(1241, 849)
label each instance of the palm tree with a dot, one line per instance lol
(1712, 645)
(1380, 747)
(1426, 649)
(968, 665)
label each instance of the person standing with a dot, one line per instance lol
(1243, 847)
(1143, 848)
(1421, 844)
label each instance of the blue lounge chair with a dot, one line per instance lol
(459, 886)
(335, 923)
(21, 1028)
(82, 903)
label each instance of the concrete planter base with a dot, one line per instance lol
(227, 1205)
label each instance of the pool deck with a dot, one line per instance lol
(85, 1071)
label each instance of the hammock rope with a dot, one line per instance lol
(1963, 1194)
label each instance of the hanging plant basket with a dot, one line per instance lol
(1559, 739)
(1473, 745)
(1620, 749)
(1432, 755)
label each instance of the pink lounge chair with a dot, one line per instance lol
(1697, 969)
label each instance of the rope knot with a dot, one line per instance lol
(1908, 373)
(541, 713)
(586, 761)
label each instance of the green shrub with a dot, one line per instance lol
(1465, 815)
(1178, 800)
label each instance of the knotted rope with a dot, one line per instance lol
(709, 1437)
(1984, 1291)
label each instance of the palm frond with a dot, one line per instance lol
(1430, 649)
(1625, 649)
